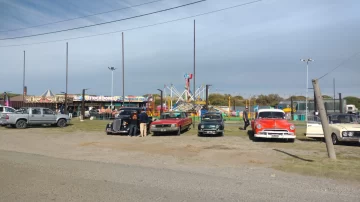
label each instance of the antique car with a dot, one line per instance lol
(212, 123)
(36, 116)
(343, 128)
(171, 122)
(120, 125)
(271, 123)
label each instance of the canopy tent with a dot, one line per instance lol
(47, 93)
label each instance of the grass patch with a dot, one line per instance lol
(345, 167)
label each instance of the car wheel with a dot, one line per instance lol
(21, 124)
(200, 134)
(61, 123)
(291, 140)
(179, 132)
(334, 139)
(108, 133)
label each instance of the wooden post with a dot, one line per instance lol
(291, 107)
(324, 120)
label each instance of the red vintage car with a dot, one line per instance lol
(271, 123)
(171, 122)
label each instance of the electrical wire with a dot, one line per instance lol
(341, 64)
(103, 23)
(85, 16)
(135, 28)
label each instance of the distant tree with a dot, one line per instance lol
(327, 97)
(353, 101)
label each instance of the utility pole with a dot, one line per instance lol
(334, 94)
(291, 107)
(194, 72)
(67, 68)
(324, 120)
(161, 101)
(123, 69)
(83, 104)
(207, 95)
(23, 98)
(340, 103)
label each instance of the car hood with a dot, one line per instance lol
(347, 126)
(273, 123)
(166, 121)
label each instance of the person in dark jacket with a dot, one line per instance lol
(143, 118)
(246, 118)
(133, 125)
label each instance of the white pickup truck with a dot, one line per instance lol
(36, 116)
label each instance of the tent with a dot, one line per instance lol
(47, 93)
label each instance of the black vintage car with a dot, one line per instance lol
(120, 125)
(212, 123)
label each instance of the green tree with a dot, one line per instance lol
(353, 101)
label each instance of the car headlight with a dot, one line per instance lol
(217, 126)
(258, 126)
(350, 134)
(173, 125)
(152, 126)
(345, 134)
(292, 127)
(125, 123)
(202, 126)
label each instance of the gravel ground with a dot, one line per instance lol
(36, 165)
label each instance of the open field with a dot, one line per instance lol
(305, 156)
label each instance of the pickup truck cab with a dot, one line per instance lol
(171, 122)
(3, 111)
(36, 116)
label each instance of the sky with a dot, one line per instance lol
(248, 50)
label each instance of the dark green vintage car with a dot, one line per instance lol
(212, 123)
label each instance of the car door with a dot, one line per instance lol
(35, 117)
(314, 127)
(49, 116)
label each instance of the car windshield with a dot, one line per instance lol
(271, 115)
(127, 112)
(170, 115)
(344, 118)
(211, 117)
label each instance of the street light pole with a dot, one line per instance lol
(112, 69)
(67, 69)
(123, 69)
(23, 98)
(307, 85)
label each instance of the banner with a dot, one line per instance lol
(51, 99)
(109, 98)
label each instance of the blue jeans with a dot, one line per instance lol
(133, 130)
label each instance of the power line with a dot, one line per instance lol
(85, 16)
(123, 19)
(342, 63)
(140, 27)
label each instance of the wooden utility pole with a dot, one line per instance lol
(83, 105)
(324, 120)
(292, 108)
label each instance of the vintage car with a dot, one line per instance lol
(343, 128)
(271, 123)
(171, 122)
(120, 125)
(212, 123)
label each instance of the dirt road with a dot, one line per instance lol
(43, 165)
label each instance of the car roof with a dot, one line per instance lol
(270, 110)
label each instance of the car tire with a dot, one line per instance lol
(179, 132)
(334, 139)
(61, 123)
(291, 140)
(200, 134)
(107, 133)
(21, 124)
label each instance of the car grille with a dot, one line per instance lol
(116, 124)
(357, 134)
(163, 125)
(209, 126)
(276, 130)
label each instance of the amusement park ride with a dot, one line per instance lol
(185, 100)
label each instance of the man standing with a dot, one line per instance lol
(133, 125)
(143, 118)
(71, 112)
(246, 118)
